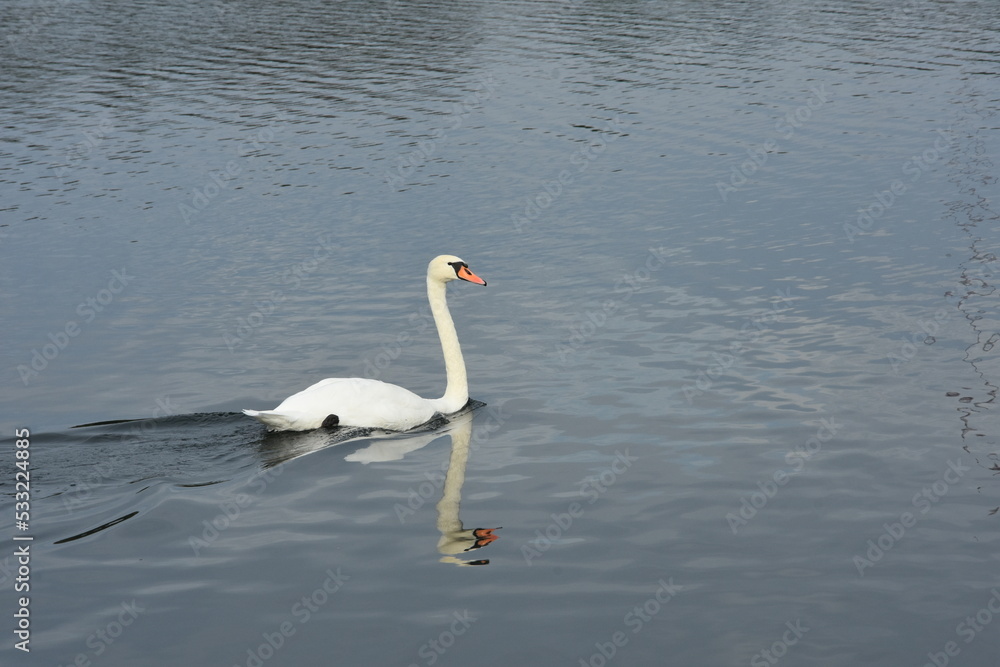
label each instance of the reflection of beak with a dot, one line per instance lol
(483, 537)
(465, 274)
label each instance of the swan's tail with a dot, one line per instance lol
(275, 421)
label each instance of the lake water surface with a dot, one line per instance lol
(738, 351)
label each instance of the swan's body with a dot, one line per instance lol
(372, 403)
(355, 401)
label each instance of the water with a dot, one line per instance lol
(737, 349)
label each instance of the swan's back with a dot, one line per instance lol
(355, 401)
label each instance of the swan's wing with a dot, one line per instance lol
(357, 402)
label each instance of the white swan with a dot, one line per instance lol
(372, 403)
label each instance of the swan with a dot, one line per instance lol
(371, 403)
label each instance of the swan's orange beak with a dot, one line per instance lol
(464, 273)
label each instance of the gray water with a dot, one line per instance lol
(737, 351)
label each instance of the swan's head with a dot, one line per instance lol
(445, 268)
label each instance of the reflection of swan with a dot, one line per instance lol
(392, 448)
(278, 448)
(454, 538)
(372, 403)
(281, 446)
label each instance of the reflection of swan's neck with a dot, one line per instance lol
(456, 393)
(454, 538)
(448, 521)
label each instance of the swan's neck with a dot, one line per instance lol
(456, 393)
